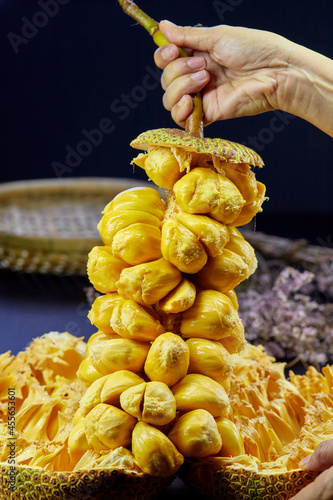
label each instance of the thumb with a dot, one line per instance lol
(192, 38)
(321, 459)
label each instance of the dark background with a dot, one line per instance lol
(89, 62)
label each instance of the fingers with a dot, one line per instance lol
(192, 38)
(321, 458)
(320, 489)
(188, 84)
(181, 76)
(182, 67)
(165, 55)
(182, 109)
(184, 75)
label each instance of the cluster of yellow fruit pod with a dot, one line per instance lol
(158, 367)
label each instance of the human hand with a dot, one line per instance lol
(322, 486)
(240, 71)
(243, 72)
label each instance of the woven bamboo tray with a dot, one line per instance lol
(49, 226)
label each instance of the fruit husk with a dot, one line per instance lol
(211, 481)
(221, 148)
(96, 484)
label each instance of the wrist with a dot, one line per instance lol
(306, 87)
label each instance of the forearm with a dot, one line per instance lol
(308, 88)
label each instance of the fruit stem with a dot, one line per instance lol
(194, 123)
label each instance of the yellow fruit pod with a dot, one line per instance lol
(154, 453)
(101, 311)
(108, 427)
(204, 191)
(226, 384)
(104, 268)
(232, 440)
(195, 434)
(137, 243)
(209, 358)
(107, 390)
(196, 391)
(232, 296)
(213, 317)
(241, 247)
(212, 234)
(149, 282)
(222, 272)
(131, 400)
(77, 441)
(182, 297)
(87, 373)
(114, 221)
(132, 321)
(168, 359)
(108, 356)
(243, 178)
(249, 211)
(152, 402)
(97, 337)
(159, 404)
(161, 166)
(181, 247)
(145, 199)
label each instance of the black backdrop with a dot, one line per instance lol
(70, 67)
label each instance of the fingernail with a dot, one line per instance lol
(182, 101)
(305, 461)
(167, 52)
(198, 77)
(196, 62)
(168, 22)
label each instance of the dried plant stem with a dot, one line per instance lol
(194, 123)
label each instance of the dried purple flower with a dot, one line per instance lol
(287, 320)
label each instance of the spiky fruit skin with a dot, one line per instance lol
(103, 484)
(226, 150)
(230, 483)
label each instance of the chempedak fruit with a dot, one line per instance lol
(167, 385)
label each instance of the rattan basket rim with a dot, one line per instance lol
(67, 187)
(86, 184)
(35, 204)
